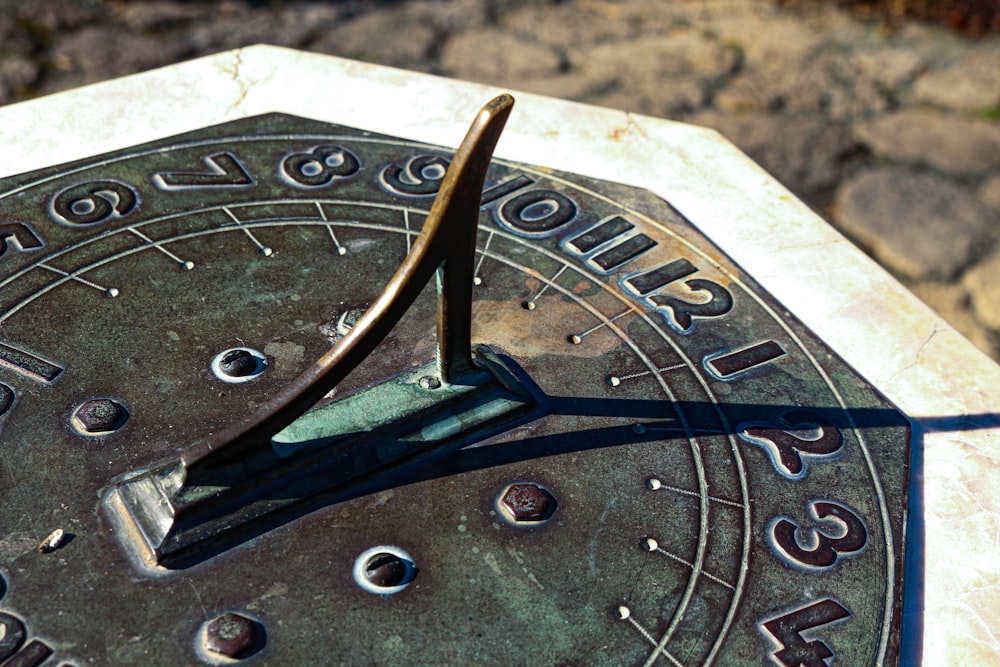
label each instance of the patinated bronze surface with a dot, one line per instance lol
(680, 473)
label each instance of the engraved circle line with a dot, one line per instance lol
(265, 223)
(702, 481)
(880, 493)
(876, 482)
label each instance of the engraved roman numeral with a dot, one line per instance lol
(611, 244)
(504, 188)
(28, 364)
(735, 363)
(33, 654)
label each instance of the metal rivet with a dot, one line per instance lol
(384, 570)
(430, 382)
(99, 415)
(238, 364)
(526, 503)
(231, 636)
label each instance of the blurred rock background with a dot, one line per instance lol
(886, 124)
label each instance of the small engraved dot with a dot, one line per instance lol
(341, 250)
(651, 544)
(267, 252)
(574, 339)
(477, 281)
(623, 613)
(654, 484)
(638, 429)
(188, 265)
(614, 380)
(528, 305)
(112, 291)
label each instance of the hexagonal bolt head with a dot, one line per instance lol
(100, 415)
(232, 636)
(527, 503)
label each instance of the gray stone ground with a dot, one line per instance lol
(893, 136)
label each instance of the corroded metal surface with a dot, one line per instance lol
(720, 488)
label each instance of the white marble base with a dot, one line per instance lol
(939, 379)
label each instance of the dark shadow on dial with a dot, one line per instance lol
(643, 421)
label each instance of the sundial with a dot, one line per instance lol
(288, 380)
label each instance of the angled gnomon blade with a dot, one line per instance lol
(238, 482)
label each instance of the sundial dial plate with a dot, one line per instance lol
(210, 205)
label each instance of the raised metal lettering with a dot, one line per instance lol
(611, 244)
(35, 653)
(537, 212)
(814, 548)
(421, 176)
(797, 434)
(6, 398)
(319, 166)
(679, 312)
(12, 634)
(786, 633)
(20, 236)
(28, 364)
(504, 188)
(93, 202)
(735, 363)
(224, 171)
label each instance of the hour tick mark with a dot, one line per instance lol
(406, 226)
(261, 248)
(109, 291)
(576, 339)
(476, 280)
(339, 249)
(652, 546)
(655, 484)
(530, 303)
(623, 613)
(615, 380)
(185, 264)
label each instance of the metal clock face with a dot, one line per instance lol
(702, 481)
